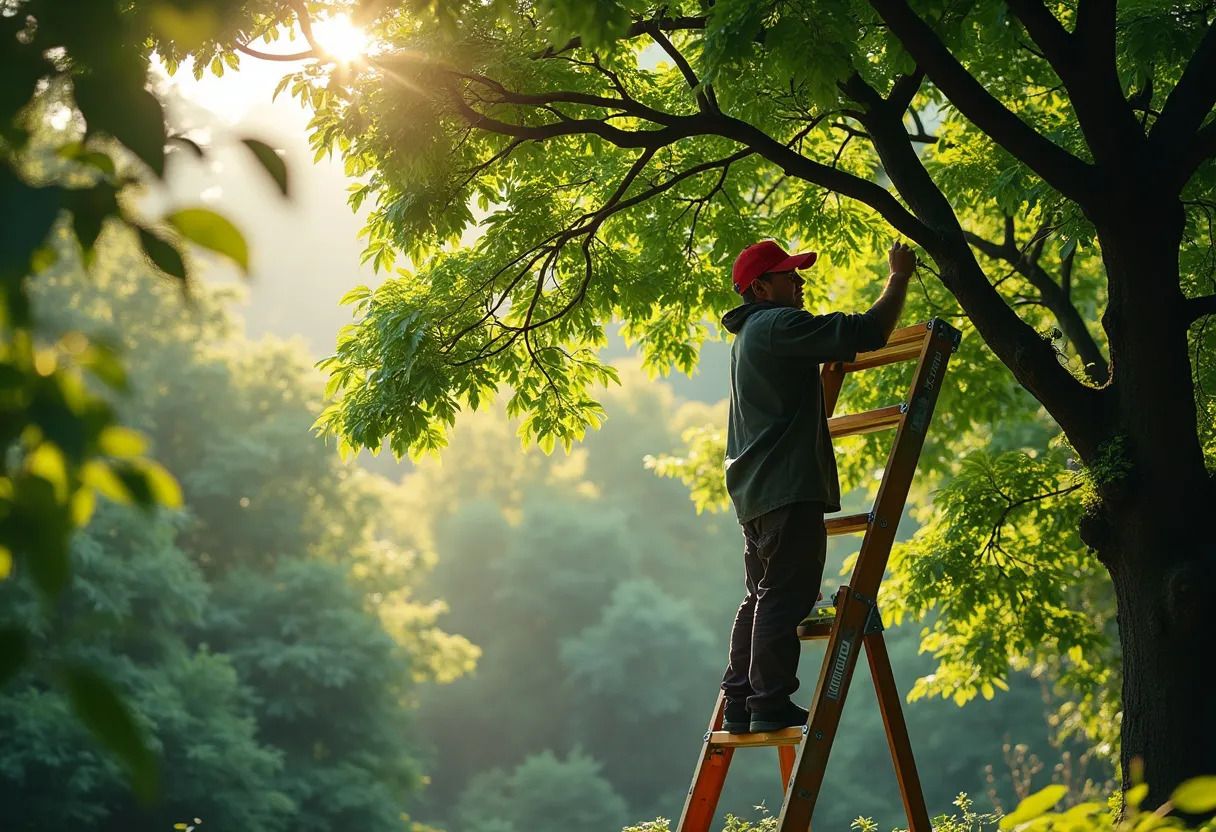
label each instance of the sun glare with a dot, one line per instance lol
(343, 40)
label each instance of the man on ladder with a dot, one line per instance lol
(780, 468)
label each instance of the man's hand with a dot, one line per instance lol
(902, 259)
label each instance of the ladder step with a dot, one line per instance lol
(809, 630)
(786, 736)
(847, 524)
(819, 623)
(868, 422)
(903, 345)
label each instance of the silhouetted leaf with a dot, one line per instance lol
(164, 256)
(127, 112)
(271, 161)
(212, 231)
(99, 707)
(90, 207)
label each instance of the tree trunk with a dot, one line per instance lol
(1164, 571)
(1157, 496)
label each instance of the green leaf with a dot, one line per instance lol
(122, 108)
(164, 256)
(99, 707)
(120, 441)
(162, 485)
(270, 161)
(1032, 807)
(212, 231)
(1196, 796)
(14, 652)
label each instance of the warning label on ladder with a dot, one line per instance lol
(840, 665)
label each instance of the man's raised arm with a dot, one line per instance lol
(887, 309)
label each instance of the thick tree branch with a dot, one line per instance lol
(1053, 296)
(1047, 32)
(904, 90)
(1174, 134)
(1085, 62)
(1059, 168)
(1200, 307)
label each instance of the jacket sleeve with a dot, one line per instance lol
(838, 336)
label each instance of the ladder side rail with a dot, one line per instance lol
(902, 460)
(810, 765)
(833, 379)
(786, 754)
(897, 733)
(707, 782)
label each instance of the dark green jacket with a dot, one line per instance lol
(777, 446)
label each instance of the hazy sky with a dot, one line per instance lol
(304, 251)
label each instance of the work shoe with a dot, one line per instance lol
(736, 719)
(774, 720)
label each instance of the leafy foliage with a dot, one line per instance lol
(264, 636)
(80, 66)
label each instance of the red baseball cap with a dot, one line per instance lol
(765, 258)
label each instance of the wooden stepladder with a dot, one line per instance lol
(851, 620)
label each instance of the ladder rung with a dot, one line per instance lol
(786, 736)
(848, 524)
(868, 422)
(903, 345)
(809, 630)
(819, 623)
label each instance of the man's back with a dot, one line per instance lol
(778, 449)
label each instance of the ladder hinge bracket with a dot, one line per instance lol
(873, 621)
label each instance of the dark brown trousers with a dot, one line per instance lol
(783, 555)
